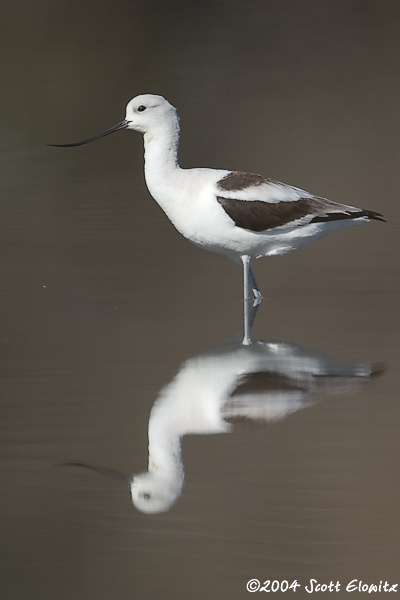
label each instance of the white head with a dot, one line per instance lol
(153, 493)
(146, 113)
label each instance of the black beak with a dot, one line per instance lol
(122, 125)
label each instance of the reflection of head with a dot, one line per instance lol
(152, 493)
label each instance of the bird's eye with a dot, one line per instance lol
(141, 108)
(146, 496)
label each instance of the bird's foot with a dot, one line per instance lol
(257, 297)
(255, 300)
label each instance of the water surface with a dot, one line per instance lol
(103, 302)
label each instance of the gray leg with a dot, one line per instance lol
(247, 323)
(253, 313)
(247, 280)
(257, 294)
(250, 313)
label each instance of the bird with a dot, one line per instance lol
(240, 215)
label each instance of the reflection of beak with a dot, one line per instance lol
(103, 471)
(122, 125)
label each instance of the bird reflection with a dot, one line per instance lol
(265, 382)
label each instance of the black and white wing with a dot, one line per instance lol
(258, 204)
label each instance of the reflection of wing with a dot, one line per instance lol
(258, 204)
(283, 378)
(264, 396)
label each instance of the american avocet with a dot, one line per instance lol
(211, 392)
(241, 215)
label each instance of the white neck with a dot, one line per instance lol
(161, 152)
(165, 453)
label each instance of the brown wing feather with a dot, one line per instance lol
(261, 216)
(263, 381)
(370, 214)
(239, 180)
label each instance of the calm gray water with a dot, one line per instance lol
(103, 303)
